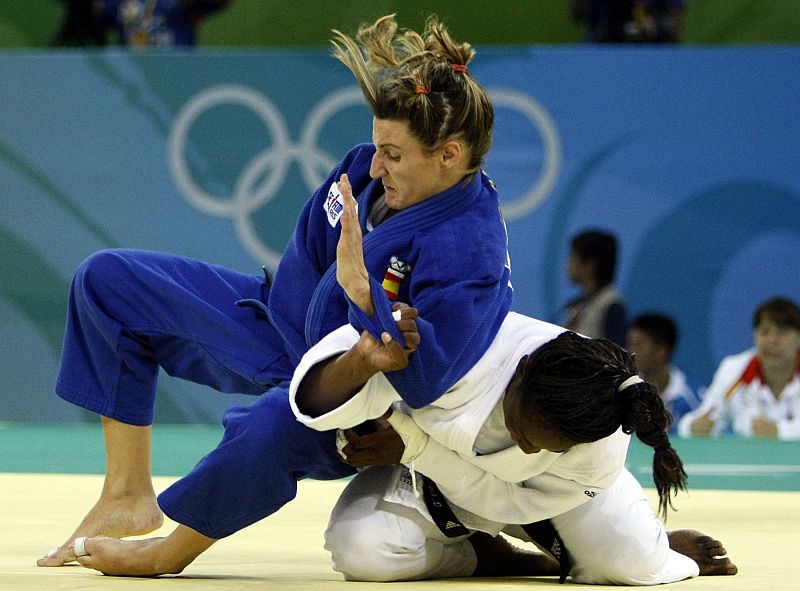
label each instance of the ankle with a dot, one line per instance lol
(497, 557)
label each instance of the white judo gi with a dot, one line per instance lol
(381, 530)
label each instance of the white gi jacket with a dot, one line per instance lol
(470, 454)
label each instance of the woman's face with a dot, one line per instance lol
(530, 433)
(410, 172)
(777, 345)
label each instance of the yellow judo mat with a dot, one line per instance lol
(761, 531)
(760, 528)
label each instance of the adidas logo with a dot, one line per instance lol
(555, 549)
(451, 525)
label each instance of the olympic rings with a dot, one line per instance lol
(264, 175)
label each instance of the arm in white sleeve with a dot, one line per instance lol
(370, 402)
(714, 403)
(470, 487)
(789, 427)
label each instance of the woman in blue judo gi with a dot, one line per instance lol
(433, 237)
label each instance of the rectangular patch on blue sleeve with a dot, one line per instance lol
(334, 204)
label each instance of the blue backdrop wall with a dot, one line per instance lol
(689, 155)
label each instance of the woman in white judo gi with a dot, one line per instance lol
(538, 430)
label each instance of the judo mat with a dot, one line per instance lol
(745, 493)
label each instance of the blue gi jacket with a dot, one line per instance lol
(456, 247)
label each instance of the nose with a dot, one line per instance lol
(526, 447)
(376, 167)
(529, 449)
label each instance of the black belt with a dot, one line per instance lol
(546, 537)
(440, 510)
(542, 532)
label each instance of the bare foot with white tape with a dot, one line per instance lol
(115, 518)
(122, 557)
(148, 557)
(708, 553)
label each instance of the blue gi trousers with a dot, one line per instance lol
(131, 312)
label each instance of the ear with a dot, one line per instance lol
(664, 354)
(450, 153)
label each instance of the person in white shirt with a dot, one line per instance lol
(756, 393)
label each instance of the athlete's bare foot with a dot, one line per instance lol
(115, 518)
(708, 553)
(138, 558)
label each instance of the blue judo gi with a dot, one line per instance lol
(132, 312)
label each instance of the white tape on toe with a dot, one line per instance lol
(52, 552)
(80, 546)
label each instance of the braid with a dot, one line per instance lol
(574, 388)
(647, 416)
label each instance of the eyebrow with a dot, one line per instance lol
(388, 145)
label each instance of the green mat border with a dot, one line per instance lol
(713, 463)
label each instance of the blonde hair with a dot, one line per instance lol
(421, 79)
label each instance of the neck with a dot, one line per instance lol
(777, 378)
(591, 287)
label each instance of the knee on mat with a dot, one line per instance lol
(361, 554)
(626, 566)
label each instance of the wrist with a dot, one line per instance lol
(361, 296)
(358, 365)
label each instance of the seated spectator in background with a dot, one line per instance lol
(630, 21)
(599, 312)
(756, 393)
(652, 339)
(137, 23)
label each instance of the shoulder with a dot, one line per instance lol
(597, 463)
(737, 363)
(611, 297)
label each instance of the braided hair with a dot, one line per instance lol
(422, 79)
(572, 384)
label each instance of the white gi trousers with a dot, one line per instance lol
(613, 538)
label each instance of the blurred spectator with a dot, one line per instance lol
(599, 312)
(756, 393)
(652, 339)
(630, 21)
(137, 23)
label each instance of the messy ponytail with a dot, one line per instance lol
(422, 79)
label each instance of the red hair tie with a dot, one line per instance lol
(459, 68)
(422, 89)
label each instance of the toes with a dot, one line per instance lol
(719, 567)
(714, 549)
(710, 542)
(57, 557)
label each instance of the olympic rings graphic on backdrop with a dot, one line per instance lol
(262, 178)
